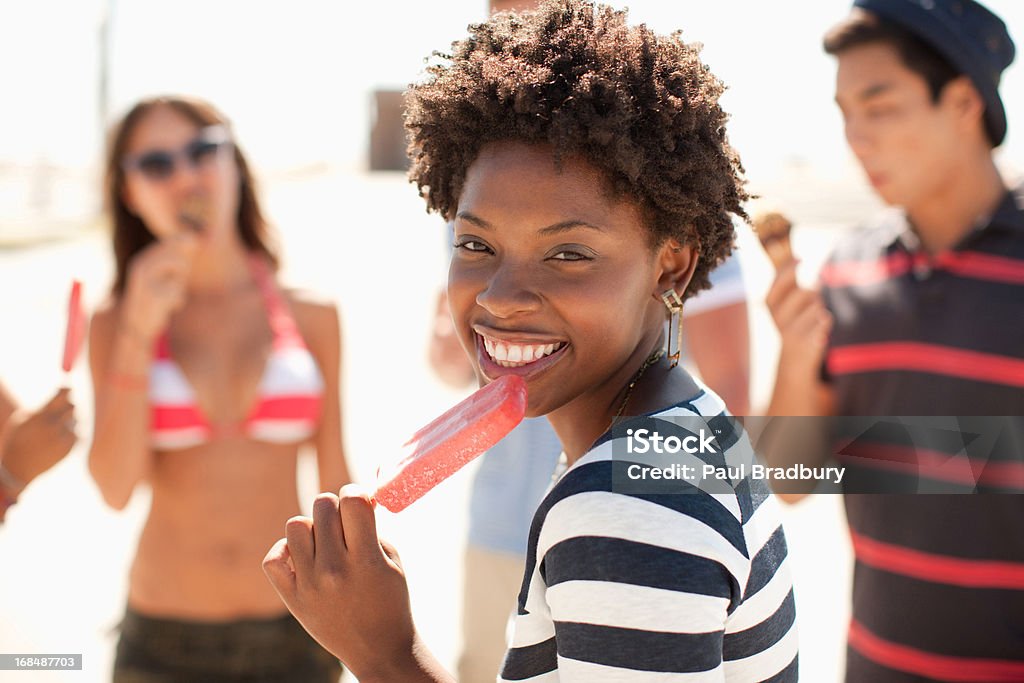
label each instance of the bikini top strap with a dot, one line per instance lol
(282, 324)
(162, 347)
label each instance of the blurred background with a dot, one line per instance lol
(310, 86)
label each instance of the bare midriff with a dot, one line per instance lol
(216, 510)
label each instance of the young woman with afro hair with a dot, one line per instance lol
(585, 165)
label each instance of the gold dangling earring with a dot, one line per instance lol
(675, 309)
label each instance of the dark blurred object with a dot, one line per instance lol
(970, 36)
(387, 132)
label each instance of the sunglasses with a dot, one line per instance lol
(161, 164)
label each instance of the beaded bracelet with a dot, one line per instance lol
(5, 504)
(134, 335)
(9, 482)
(126, 382)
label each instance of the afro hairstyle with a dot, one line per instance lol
(576, 76)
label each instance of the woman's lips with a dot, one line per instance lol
(498, 357)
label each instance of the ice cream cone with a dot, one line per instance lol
(194, 213)
(773, 230)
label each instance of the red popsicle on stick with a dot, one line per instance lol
(75, 334)
(444, 446)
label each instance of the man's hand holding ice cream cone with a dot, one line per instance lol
(800, 315)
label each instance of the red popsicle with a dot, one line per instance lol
(75, 333)
(444, 446)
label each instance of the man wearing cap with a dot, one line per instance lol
(920, 314)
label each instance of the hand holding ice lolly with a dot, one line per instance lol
(444, 446)
(343, 583)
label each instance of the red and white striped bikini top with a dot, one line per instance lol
(287, 406)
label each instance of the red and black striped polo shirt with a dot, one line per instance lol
(938, 589)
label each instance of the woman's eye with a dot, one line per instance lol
(569, 255)
(471, 245)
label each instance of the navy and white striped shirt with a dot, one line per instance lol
(654, 587)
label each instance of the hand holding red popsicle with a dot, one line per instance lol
(343, 583)
(347, 588)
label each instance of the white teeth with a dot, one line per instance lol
(516, 355)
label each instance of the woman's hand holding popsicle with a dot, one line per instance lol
(346, 586)
(156, 285)
(348, 589)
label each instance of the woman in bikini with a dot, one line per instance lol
(208, 378)
(585, 166)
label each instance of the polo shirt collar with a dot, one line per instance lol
(1009, 215)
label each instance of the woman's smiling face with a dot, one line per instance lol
(552, 278)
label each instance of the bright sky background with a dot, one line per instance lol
(296, 77)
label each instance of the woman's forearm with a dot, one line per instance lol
(120, 455)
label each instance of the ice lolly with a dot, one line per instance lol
(773, 230)
(75, 333)
(194, 213)
(444, 446)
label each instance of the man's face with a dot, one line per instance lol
(904, 141)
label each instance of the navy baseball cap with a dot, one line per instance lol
(973, 39)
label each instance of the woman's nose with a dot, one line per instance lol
(510, 291)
